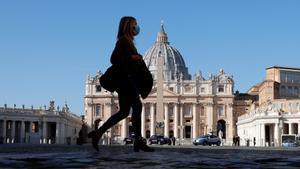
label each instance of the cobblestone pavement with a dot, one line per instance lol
(120, 156)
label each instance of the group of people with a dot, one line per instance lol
(236, 140)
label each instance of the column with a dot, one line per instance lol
(230, 129)
(124, 128)
(62, 132)
(181, 121)
(143, 121)
(290, 128)
(40, 132)
(44, 131)
(195, 121)
(262, 132)
(175, 110)
(22, 131)
(4, 131)
(209, 115)
(152, 120)
(13, 131)
(109, 111)
(276, 134)
(166, 111)
(57, 136)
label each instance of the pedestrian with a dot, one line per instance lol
(126, 59)
(173, 140)
(254, 141)
(234, 141)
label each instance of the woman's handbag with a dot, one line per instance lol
(145, 79)
(109, 79)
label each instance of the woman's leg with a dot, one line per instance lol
(114, 119)
(136, 117)
(124, 104)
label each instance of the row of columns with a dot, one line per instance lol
(22, 131)
(277, 131)
(178, 122)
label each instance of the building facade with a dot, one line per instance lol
(38, 126)
(277, 111)
(178, 105)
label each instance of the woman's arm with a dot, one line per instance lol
(124, 52)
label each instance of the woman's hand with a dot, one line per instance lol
(136, 57)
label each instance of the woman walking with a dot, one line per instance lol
(126, 58)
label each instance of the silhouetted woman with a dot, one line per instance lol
(126, 58)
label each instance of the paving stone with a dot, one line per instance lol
(120, 156)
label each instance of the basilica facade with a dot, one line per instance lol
(179, 104)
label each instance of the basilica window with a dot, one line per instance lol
(98, 110)
(171, 89)
(98, 88)
(220, 110)
(187, 110)
(290, 91)
(170, 111)
(202, 89)
(202, 111)
(296, 92)
(282, 90)
(220, 88)
(147, 110)
(188, 89)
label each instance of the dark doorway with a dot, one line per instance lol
(286, 128)
(51, 132)
(147, 134)
(221, 127)
(187, 130)
(267, 134)
(171, 133)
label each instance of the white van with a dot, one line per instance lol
(290, 140)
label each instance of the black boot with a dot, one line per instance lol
(95, 135)
(139, 144)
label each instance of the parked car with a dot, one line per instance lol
(159, 139)
(207, 140)
(289, 140)
(130, 139)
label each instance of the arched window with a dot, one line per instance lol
(202, 111)
(282, 91)
(296, 91)
(290, 91)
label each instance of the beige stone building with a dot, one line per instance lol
(179, 105)
(277, 110)
(38, 126)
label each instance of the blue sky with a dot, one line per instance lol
(47, 48)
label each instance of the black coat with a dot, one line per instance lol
(123, 65)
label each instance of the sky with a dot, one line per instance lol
(47, 48)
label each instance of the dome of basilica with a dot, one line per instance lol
(174, 65)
